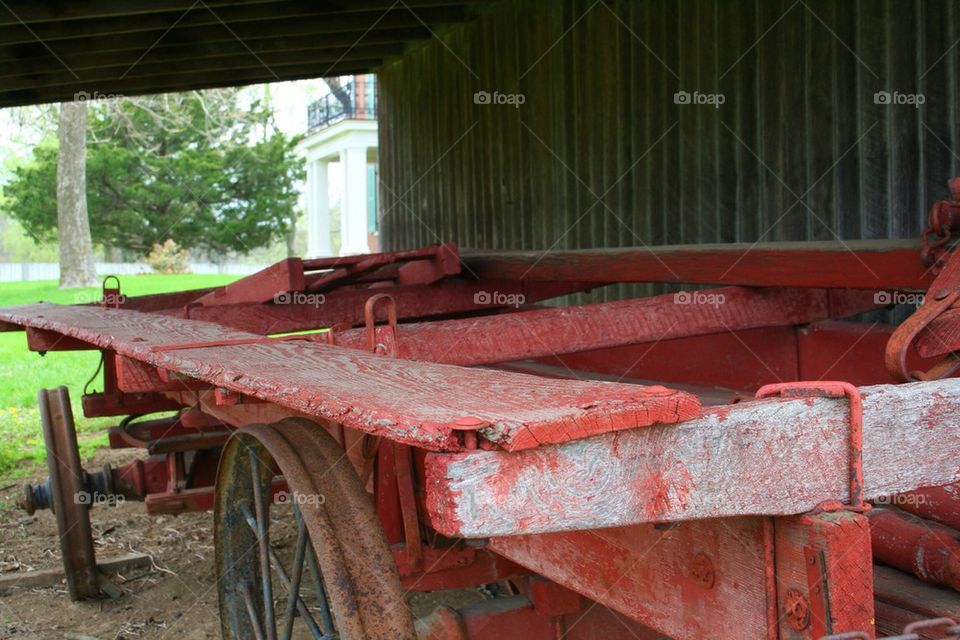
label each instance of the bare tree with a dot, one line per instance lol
(341, 93)
(77, 268)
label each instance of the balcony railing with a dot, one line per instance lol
(356, 100)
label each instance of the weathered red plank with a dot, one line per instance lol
(545, 332)
(412, 402)
(854, 264)
(648, 574)
(262, 286)
(773, 457)
(314, 311)
(704, 578)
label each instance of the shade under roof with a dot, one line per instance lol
(52, 51)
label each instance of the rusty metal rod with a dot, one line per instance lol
(924, 549)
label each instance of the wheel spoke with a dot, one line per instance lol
(301, 606)
(264, 543)
(294, 581)
(252, 611)
(321, 594)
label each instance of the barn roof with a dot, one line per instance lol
(52, 51)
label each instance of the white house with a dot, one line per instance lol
(343, 128)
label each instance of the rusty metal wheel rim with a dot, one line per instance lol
(339, 539)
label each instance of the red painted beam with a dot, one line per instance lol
(545, 332)
(773, 457)
(704, 578)
(941, 504)
(345, 306)
(99, 405)
(854, 264)
(44, 341)
(262, 286)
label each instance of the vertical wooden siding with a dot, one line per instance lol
(599, 154)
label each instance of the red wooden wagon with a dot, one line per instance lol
(684, 465)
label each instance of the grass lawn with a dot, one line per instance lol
(23, 372)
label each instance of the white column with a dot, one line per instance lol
(353, 202)
(318, 210)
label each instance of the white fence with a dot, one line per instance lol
(24, 271)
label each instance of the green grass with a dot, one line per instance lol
(23, 372)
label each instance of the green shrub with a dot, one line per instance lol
(168, 258)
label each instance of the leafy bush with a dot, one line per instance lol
(168, 258)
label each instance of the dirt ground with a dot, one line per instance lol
(175, 598)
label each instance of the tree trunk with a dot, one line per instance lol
(77, 267)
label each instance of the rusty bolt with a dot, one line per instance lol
(940, 294)
(797, 610)
(702, 570)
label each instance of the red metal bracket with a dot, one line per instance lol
(942, 295)
(943, 221)
(381, 340)
(833, 389)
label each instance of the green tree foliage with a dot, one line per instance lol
(196, 167)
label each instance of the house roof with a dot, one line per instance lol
(54, 51)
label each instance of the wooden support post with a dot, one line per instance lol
(824, 575)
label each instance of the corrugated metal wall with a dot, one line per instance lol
(599, 154)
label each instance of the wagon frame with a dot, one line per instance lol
(615, 463)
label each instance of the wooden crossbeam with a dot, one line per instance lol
(53, 577)
(241, 19)
(555, 331)
(857, 264)
(768, 457)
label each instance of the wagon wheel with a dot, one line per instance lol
(313, 564)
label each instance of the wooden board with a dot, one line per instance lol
(413, 402)
(769, 457)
